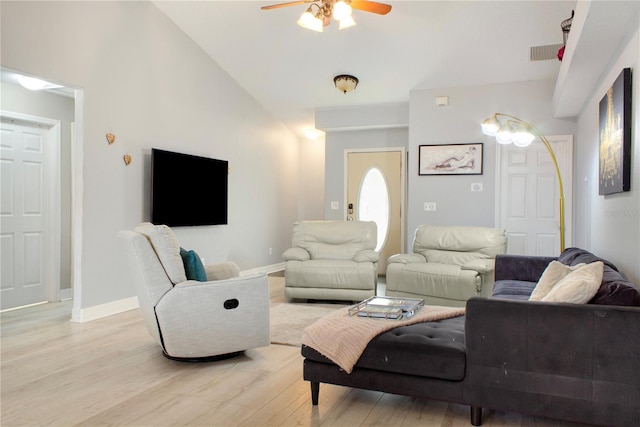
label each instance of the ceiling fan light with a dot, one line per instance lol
(346, 22)
(341, 10)
(310, 22)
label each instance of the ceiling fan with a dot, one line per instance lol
(326, 9)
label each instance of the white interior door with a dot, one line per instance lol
(375, 189)
(529, 198)
(25, 242)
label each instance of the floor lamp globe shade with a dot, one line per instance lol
(504, 137)
(522, 139)
(490, 126)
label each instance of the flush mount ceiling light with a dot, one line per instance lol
(319, 13)
(345, 83)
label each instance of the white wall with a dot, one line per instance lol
(460, 123)
(145, 81)
(17, 99)
(610, 225)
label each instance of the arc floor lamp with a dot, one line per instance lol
(509, 129)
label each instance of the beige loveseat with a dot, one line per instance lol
(332, 260)
(449, 264)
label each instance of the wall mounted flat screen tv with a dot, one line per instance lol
(188, 190)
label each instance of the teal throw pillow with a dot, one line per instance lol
(193, 266)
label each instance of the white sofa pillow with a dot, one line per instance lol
(166, 246)
(554, 272)
(579, 286)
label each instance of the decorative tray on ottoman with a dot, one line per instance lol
(387, 308)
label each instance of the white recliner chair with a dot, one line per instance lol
(194, 320)
(332, 260)
(449, 264)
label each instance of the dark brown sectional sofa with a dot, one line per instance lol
(575, 362)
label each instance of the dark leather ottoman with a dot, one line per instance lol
(426, 360)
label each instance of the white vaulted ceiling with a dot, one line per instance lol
(418, 45)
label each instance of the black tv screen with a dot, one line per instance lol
(188, 190)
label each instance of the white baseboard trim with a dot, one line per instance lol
(104, 310)
(264, 269)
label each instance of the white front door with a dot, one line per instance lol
(25, 243)
(529, 198)
(375, 188)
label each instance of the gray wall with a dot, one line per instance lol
(460, 123)
(312, 172)
(609, 225)
(17, 99)
(336, 144)
(148, 83)
(368, 126)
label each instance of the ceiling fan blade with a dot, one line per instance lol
(291, 3)
(371, 6)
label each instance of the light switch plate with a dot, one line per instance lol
(476, 186)
(442, 101)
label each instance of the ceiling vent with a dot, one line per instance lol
(545, 52)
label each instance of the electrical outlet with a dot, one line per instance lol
(430, 206)
(335, 205)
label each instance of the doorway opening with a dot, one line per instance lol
(47, 123)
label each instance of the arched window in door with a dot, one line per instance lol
(373, 203)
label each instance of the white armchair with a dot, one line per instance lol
(449, 264)
(194, 320)
(332, 260)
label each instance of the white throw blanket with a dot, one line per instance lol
(342, 338)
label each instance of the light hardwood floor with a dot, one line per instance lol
(110, 372)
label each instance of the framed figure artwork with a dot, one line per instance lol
(615, 137)
(451, 159)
